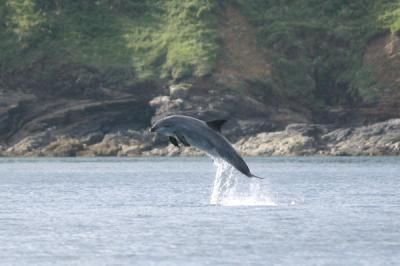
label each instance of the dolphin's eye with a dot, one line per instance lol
(167, 125)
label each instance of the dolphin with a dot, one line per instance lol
(203, 135)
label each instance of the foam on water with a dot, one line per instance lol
(231, 189)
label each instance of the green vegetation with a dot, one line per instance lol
(392, 17)
(316, 46)
(153, 38)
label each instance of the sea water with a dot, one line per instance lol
(186, 211)
(231, 189)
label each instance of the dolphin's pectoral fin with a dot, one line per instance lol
(174, 141)
(216, 124)
(183, 140)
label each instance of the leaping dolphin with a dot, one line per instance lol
(203, 135)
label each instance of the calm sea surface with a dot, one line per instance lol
(157, 211)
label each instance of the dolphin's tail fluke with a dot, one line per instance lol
(254, 176)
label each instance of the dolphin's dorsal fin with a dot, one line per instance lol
(174, 141)
(216, 124)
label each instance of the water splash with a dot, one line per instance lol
(228, 191)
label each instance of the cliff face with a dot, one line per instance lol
(382, 59)
(89, 78)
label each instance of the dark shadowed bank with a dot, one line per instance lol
(88, 78)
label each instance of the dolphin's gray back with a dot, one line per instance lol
(200, 135)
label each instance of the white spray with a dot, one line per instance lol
(228, 191)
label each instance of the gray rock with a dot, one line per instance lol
(179, 91)
(32, 145)
(337, 135)
(376, 139)
(92, 138)
(63, 147)
(306, 129)
(300, 139)
(277, 144)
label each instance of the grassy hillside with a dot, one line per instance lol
(122, 39)
(318, 45)
(315, 46)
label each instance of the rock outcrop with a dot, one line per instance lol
(119, 126)
(295, 140)
(303, 139)
(377, 139)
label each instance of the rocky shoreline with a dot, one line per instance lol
(295, 140)
(118, 125)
